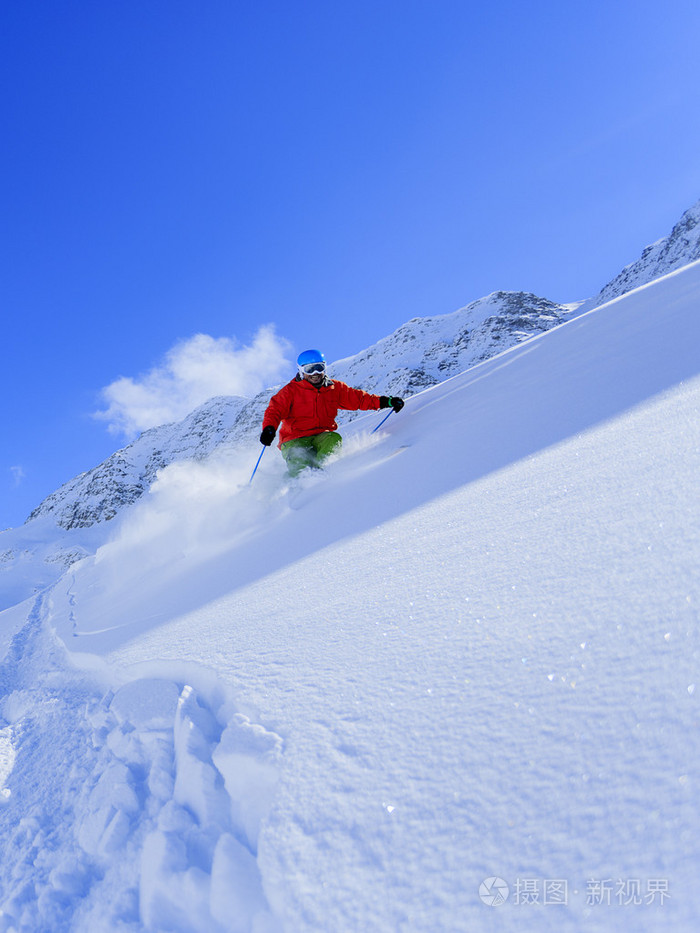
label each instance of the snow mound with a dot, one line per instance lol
(141, 805)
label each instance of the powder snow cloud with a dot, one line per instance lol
(191, 372)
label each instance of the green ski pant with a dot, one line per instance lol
(303, 452)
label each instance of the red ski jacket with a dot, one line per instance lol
(304, 409)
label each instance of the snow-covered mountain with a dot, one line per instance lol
(101, 493)
(421, 353)
(680, 247)
(449, 684)
(427, 350)
(75, 519)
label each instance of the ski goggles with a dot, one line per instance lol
(311, 368)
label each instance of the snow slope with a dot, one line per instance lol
(467, 650)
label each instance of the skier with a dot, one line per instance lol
(306, 409)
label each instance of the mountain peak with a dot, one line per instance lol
(679, 248)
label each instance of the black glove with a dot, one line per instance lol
(386, 401)
(268, 435)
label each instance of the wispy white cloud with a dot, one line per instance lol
(191, 372)
(18, 474)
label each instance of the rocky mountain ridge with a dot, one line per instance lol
(680, 247)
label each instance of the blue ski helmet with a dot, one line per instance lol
(310, 356)
(310, 362)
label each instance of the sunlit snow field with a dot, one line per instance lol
(467, 651)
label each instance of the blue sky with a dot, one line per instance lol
(333, 169)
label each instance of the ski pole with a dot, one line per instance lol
(391, 412)
(257, 464)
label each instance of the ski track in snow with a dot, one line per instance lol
(141, 804)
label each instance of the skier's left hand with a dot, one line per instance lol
(387, 401)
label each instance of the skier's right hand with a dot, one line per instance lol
(268, 435)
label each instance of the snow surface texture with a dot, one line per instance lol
(468, 650)
(141, 806)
